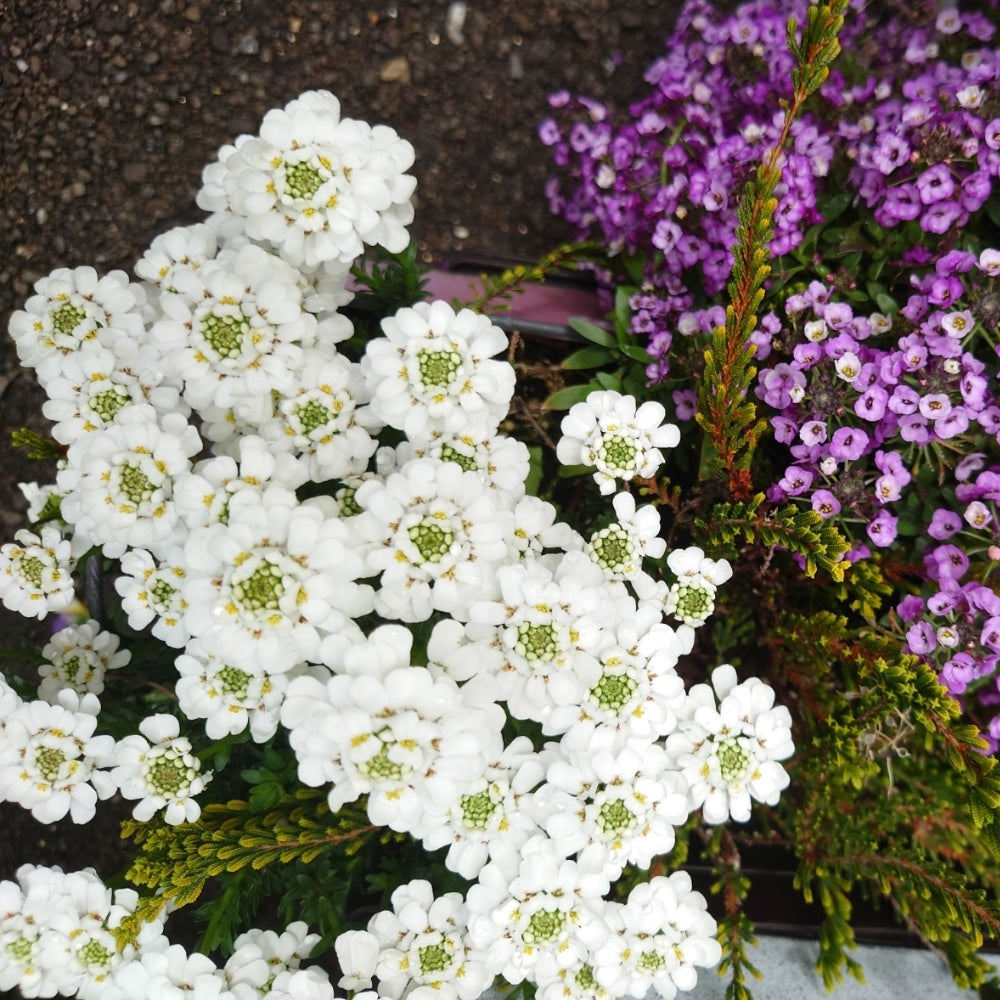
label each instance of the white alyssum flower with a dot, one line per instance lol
(436, 535)
(534, 912)
(417, 949)
(315, 185)
(260, 956)
(392, 732)
(608, 432)
(176, 255)
(77, 658)
(235, 332)
(229, 698)
(169, 971)
(618, 800)
(279, 571)
(51, 761)
(157, 767)
(729, 743)
(434, 371)
(72, 307)
(660, 936)
(118, 483)
(620, 548)
(36, 572)
(692, 598)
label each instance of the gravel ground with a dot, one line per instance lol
(109, 110)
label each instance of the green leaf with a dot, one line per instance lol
(588, 357)
(593, 333)
(563, 399)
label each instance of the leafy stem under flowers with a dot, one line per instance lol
(724, 412)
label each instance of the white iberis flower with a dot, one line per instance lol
(36, 572)
(434, 371)
(50, 760)
(150, 590)
(692, 598)
(259, 956)
(77, 657)
(322, 420)
(383, 728)
(616, 799)
(622, 442)
(118, 482)
(619, 549)
(539, 643)
(73, 307)
(659, 936)
(436, 537)
(156, 766)
(314, 185)
(234, 332)
(176, 255)
(279, 571)
(229, 698)
(417, 950)
(728, 744)
(534, 912)
(95, 383)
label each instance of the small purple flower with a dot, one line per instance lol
(950, 564)
(825, 503)
(888, 488)
(935, 184)
(795, 480)
(882, 528)
(910, 607)
(991, 633)
(685, 403)
(958, 673)
(848, 443)
(871, 404)
(944, 524)
(940, 217)
(920, 638)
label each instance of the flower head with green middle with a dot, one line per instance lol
(728, 745)
(157, 767)
(617, 438)
(36, 572)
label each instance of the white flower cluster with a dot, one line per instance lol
(392, 604)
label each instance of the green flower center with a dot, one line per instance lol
(694, 601)
(94, 954)
(134, 483)
(349, 505)
(20, 950)
(449, 453)
(544, 927)
(615, 818)
(381, 768)
(162, 594)
(585, 978)
(617, 453)
(106, 404)
(651, 961)
(612, 549)
(225, 334)
(31, 569)
(313, 414)
(538, 642)
(431, 540)
(438, 367)
(613, 691)
(169, 774)
(68, 317)
(49, 761)
(478, 809)
(235, 683)
(71, 668)
(262, 589)
(733, 761)
(433, 958)
(302, 180)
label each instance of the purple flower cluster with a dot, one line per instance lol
(665, 183)
(863, 399)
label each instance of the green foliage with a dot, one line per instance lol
(736, 930)
(37, 447)
(233, 842)
(802, 532)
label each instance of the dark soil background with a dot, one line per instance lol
(109, 111)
